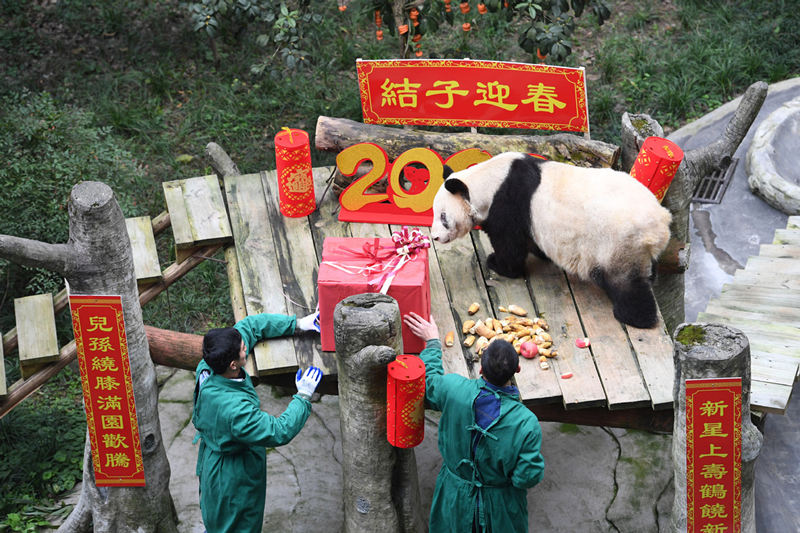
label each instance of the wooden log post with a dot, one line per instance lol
(381, 490)
(674, 261)
(721, 352)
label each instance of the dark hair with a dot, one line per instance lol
(499, 362)
(220, 347)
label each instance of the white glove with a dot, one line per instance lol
(309, 322)
(307, 381)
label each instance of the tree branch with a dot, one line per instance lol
(701, 161)
(36, 254)
(221, 161)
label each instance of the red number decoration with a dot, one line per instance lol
(412, 206)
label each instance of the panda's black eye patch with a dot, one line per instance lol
(443, 217)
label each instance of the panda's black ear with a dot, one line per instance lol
(447, 172)
(456, 186)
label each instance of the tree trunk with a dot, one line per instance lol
(381, 492)
(724, 352)
(336, 134)
(698, 163)
(97, 260)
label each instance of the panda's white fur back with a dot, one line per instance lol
(581, 218)
(604, 217)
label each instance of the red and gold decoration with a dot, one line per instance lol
(398, 205)
(102, 346)
(656, 164)
(397, 266)
(295, 178)
(378, 24)
(405, 407)
(452, 92)
(714, 454)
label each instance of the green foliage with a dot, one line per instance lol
(199, 302)
(280, 28)
(543, 27)
(48, 148)
(41, 454)
(679, 63)
(690, 335)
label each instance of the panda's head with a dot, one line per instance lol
(453, 214)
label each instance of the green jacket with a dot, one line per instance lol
(490, 486)
(233, 433)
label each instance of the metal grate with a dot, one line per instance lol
(711, 188)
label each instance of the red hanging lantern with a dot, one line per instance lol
(656, 164)
(405, 396)
(295, 178)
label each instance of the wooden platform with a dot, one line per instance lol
(763, 301)
(624, 379)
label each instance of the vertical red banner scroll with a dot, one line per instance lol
(714, 455)
(99, 328)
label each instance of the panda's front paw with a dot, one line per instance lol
(502, 268)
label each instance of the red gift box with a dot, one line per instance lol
(354, 265)
(656, 164)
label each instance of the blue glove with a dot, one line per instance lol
(307, 381)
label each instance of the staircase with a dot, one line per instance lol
(763, 301)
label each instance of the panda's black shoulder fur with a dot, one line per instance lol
(513, 198)
(508, 222)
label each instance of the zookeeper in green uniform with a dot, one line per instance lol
(233, 430)
(489, 441)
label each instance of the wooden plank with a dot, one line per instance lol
(463, 285)
(237, 300)
(781, 265)
(769, 397)
(453, 359)
(780, 315)
(143, 246)
(778, 370)
(654, 352)
(554, 303)
(294, 250)
(760, 341)
(197, 213)
(777, 312)
(772, 279)
(763, 326)
(3, 387)
(613, 357)
(756, 294)
(179, 218)
(787, 236)
(36, 331)
(779, 250)
(206, 210)
(258, 267)
(535, 384)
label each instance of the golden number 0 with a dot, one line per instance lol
(422, 201)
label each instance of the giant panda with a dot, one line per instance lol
(599, 224)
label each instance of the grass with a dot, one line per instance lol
(137, 68)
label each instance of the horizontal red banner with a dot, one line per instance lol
(713, 454)
(99, 328)
(448, 92)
